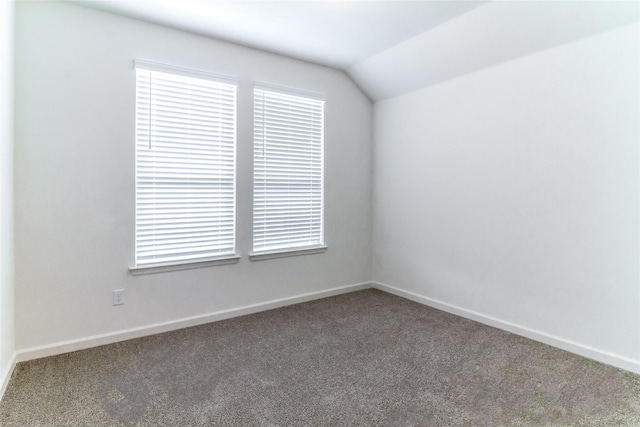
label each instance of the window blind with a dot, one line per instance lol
(185, 168)
(287, 171)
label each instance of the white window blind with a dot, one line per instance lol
(185, 168)
(287, 171)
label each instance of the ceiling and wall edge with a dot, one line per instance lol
(491, 34)
(474, 36)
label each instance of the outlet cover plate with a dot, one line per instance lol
(118, 297)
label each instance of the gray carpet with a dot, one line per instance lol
(361, 359)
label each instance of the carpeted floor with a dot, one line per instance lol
(361, 359)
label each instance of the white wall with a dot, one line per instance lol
(75, 178)
(511, 195)
(6, 190)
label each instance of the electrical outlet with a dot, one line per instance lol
(118, 297)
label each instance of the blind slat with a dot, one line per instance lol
(185, 168)
(288, 171)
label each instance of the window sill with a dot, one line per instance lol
(283, 253)
(188, 265)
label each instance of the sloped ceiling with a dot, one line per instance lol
(387, 47)
(485, 36)
(333, 33)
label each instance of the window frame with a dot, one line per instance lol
(222, 259)
(313, 248)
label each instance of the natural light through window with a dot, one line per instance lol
(287, 171)
(185, 166)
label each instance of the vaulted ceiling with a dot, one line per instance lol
(388, 47)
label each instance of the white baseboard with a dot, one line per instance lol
(6, 375)
(110, 338)
(97, 340)
(554, 341)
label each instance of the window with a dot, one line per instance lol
(287, 172)
(185, 166)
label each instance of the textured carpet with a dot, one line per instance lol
(362, 359)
